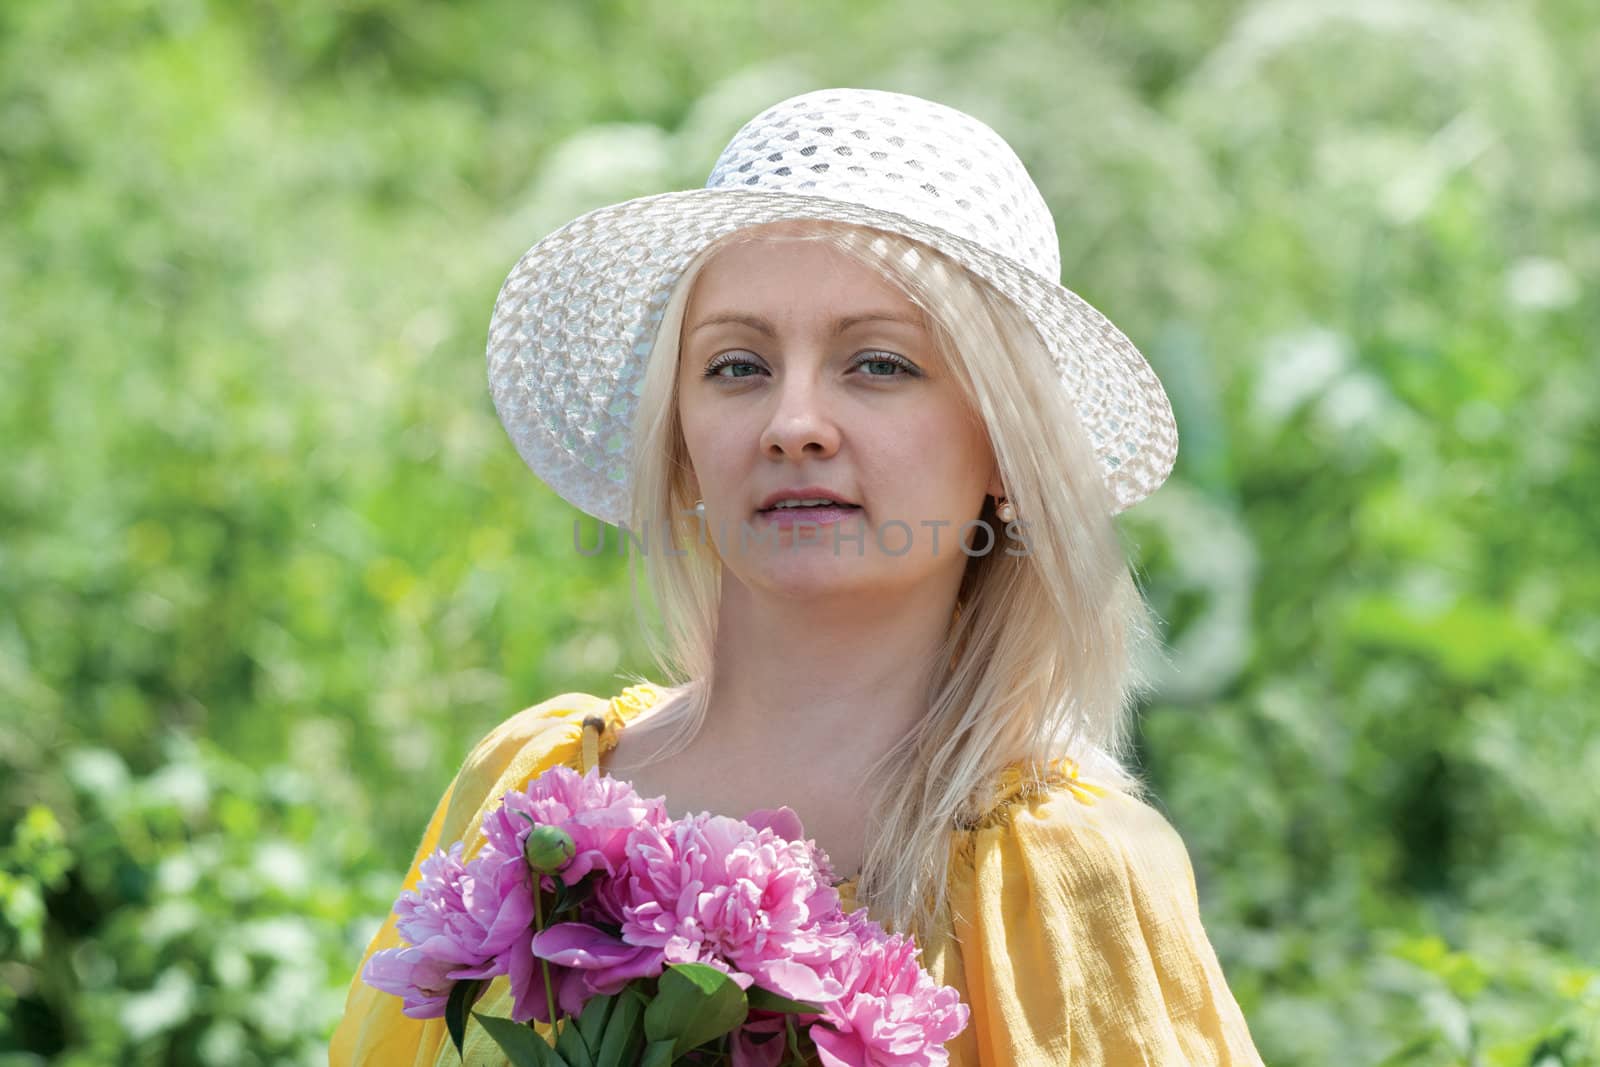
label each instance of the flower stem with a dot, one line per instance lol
(544, 964)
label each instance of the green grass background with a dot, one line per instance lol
(269, 565)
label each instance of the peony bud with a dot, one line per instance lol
(547, 849)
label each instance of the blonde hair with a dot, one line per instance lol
(1040, 658)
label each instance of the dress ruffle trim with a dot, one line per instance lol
(1019, 784)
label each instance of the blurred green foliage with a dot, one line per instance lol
(268, 565)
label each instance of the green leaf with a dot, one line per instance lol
(592, 1023)
(694, 1004)
(794, 1041)
(624, 1034)
(522, 1046)
(766, 1000)
(463, 995)
(658, 1053)
(575, 1044)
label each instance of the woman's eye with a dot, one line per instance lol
(741, 367)
(885, 365)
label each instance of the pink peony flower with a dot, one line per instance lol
(760, 1041)
(785, 822)
(714, 890)
(595, 810)
(527, 987)
(460, 922)
(423, 983)
(891, 1013)
(607, 963)
(475, 920)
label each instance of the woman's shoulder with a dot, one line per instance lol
(529, 742)
(1080, 927)
(558, 718)
(1106, 830)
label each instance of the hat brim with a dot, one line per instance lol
(576, 319)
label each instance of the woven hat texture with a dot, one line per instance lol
(575, 322)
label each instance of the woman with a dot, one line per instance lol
(870, 451)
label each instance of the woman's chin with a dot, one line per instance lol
(817, 573)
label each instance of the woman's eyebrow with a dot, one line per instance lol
(762, 326)
(845, 323)
(755, 322)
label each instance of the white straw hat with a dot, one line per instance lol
(576, 319)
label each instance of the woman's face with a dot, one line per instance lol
(801, 369)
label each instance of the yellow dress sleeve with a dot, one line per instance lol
(373, 1030)
(1078, 940)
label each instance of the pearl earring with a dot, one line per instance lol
(700, 509)
(1004, 511)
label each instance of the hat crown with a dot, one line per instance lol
(902, 154)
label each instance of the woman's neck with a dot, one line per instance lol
(823, 680)
(805, 697)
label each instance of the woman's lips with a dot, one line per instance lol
(818, 516)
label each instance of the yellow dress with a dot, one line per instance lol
(1078, 939)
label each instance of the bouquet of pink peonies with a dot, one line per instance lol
(645, 940)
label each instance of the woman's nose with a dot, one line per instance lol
(801, 423)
